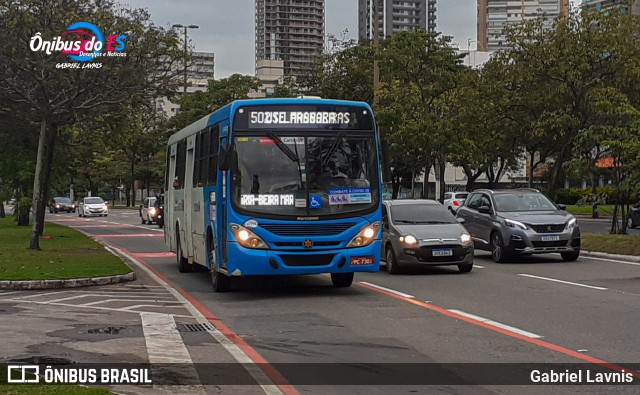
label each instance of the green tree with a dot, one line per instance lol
(60, 96)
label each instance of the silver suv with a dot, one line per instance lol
(519, 222)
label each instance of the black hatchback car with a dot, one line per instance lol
(59, 204)
(519, 222)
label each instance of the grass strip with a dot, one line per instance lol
(65, 253)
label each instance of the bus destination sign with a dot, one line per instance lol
(303, 117)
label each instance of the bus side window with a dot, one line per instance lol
(181, 160)
(212, 168)
(203, 141)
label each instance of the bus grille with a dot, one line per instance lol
(307, 260)
(308, 229)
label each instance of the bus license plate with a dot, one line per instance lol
(551, 238)
(443, 252)
(361, 260)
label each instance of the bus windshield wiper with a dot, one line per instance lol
(283, 147)
(334, 148)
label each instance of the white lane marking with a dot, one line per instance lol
(98, 295)
(479, 267)
(497, 324)
(137, 306)
(41, 294)
(256, 372)
(164, 343)
(611, 260)
(78, 306)
(164, 302)
(563, 282)
(388, 290)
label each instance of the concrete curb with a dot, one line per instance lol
(66, 283)
(74, 282)
(604, 255)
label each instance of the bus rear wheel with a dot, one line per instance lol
(342, 280)
(183, 263)
(220, 281)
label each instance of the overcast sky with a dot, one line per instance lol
(227, 26)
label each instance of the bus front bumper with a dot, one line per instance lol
(248, 262)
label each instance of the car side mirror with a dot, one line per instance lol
(484, 209)
(562, 207)
(460, 220)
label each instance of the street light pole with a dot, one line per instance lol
(185, 27)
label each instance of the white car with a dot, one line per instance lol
(91, 206)
(453, 200)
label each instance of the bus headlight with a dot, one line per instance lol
(247, 238)
(366, 236)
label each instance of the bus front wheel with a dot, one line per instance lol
(342, 280)
(221, 282)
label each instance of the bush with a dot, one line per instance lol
(573, 195)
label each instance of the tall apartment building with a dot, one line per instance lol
(395, 16)
(291, 31)
(495, 15)
(598, 5)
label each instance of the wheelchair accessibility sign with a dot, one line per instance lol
(315, 201)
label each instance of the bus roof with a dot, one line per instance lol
(227, 111)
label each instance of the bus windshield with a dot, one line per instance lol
(295, 174)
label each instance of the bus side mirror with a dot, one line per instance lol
(225, 158)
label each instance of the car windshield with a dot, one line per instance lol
(511, 202)
(152, 201)
(421, 214)
(62, 200)
(93, 200)
(305, 175)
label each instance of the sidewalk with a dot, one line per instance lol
(138, 322)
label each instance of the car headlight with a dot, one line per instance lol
(366, 236)
(409, 239)
(57, 206)
(515, 224)
(465, 238)
(152, 211)
(247, 238)
(572, 222)
(73, 206)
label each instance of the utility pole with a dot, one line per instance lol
(376, 42)
(185, 53)
(386, 170)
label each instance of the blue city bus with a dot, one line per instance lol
(276, 187)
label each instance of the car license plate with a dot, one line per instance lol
(442, 252)
(551, 238)
(361, 260)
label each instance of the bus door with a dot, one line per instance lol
(188, 199)
(222, 201)
(170, 199)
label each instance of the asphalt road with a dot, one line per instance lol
(537, 310)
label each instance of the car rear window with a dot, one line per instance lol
(461, 195)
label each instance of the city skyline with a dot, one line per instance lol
(227, 27)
